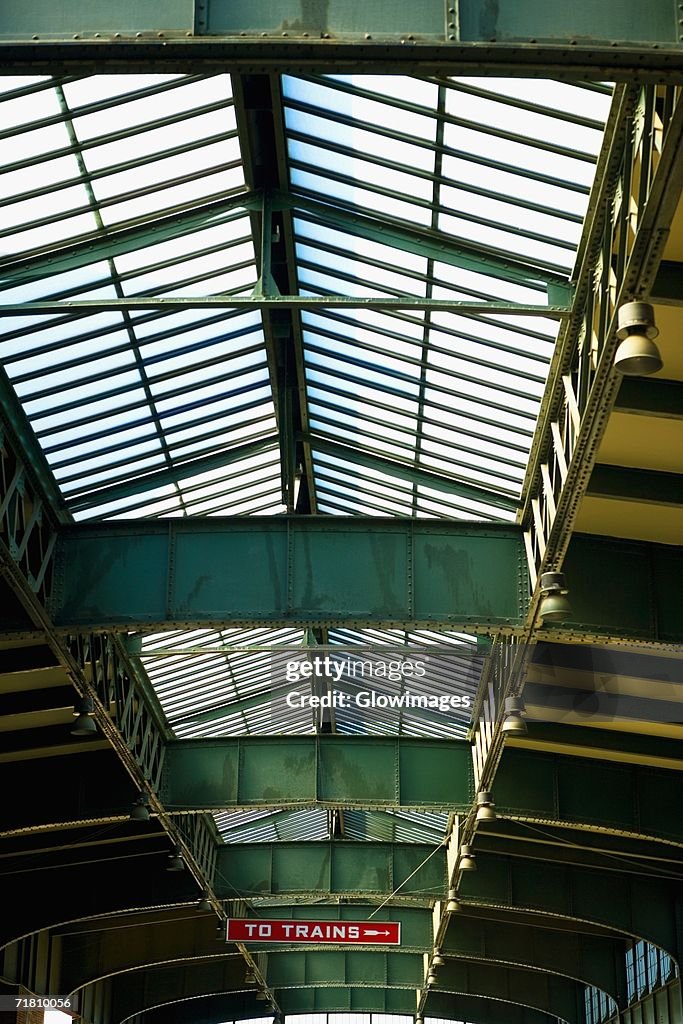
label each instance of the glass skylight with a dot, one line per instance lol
(407, 196)
(456, 189)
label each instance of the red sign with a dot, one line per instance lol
(338, 933)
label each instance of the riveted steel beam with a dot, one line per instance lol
(634, 905)
(336, 868)
(351, 36)
(325, 770)
(326, 571)
(364, 982)
(289, 570)
(559, 996)
(591, 959)
(589, 794)
(639, 184)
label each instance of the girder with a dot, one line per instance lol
(592, 959)
(350, 36)
(325, 770)
(559, 996)
(619, 798)
(73, 893)
(216, 1009)
(342, 868)
(344, 980)
(634, 905)
(353, 571)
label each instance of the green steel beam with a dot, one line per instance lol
(272, 302)
(334, 868)
(558, 996)
(171, 474)
(121, 240)
(325, 770)
(633, 905)
(343, 967)
(422, 241)
(289, 570)
(479, 1010)
(624, 589)
(353, 1000)
(153, 574)
(134, 990)
(345, 979)
(591, 959)
(131, 884)
(576, 849)
(348, 36)
(643, 485)
(619, 798)
(407, 471)
(641, 397)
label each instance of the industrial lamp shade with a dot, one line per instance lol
(554, 605)
(513, 723)
(454, 905)
(204, 904)
(84, 724)
(140, 811)
(485, 807)
(637, 354)
(467, 861)
(174, 861)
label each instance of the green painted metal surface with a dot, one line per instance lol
(338, 771)
(593, 959)
(288, 570)
(634, 905)
(300, 969)
(358, 1000)
(361, 571)
(472, 21)
(335, 17)
(549, 993)
(341, 868)
(574, 790)
(625, 588)
(532, 21)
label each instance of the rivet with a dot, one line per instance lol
(451, 24)
(77, 37)
(35, 37)
(160, 35)
(368, 36)
(138, 35)
(285, 33)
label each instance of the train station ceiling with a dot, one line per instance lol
(335, 297)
